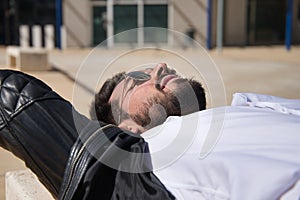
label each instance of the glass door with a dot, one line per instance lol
(99, 24)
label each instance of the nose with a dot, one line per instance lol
(158, 70)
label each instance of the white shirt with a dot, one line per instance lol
(234, 152)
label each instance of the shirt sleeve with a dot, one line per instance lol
(278, 104)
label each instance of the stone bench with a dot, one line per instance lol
(24, 185)
(27, 59)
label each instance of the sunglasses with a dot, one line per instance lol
(138, 77)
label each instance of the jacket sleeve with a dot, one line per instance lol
(108, 163)
(38, 126)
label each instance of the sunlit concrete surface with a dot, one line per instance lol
(8, 163)
(24, 185)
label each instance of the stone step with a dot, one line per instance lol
(27, 59)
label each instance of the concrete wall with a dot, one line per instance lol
(235, 22)
(190, 14)
(296, 22)
(184, 15)
(214, 23)
(77, 20)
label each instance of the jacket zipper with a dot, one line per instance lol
(77, 158)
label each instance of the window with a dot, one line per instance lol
(156, 16)
(127, 15)
(99, 24)
(125, 18)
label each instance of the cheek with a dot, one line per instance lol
(139, 97)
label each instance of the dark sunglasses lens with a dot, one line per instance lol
(138, 75)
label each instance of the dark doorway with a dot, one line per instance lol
(9, 21)
(266, 22)
(2, 22)
(14, 13)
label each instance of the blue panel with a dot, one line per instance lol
(289, 22)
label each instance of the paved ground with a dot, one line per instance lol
(269, 70)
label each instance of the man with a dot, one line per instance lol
(138, 101)
(36, 124)
(67, 151)
(256, 156)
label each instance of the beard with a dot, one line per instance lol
(156, 110)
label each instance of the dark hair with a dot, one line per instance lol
(102, 107)
(199, 92)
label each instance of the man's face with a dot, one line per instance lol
(131, 96)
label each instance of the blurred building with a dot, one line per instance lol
(89, 22)
(14, 13)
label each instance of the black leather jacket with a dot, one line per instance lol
(65, 149)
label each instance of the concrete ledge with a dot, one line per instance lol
(27, 59)
(24, 185)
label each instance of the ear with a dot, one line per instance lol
(131, 126)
